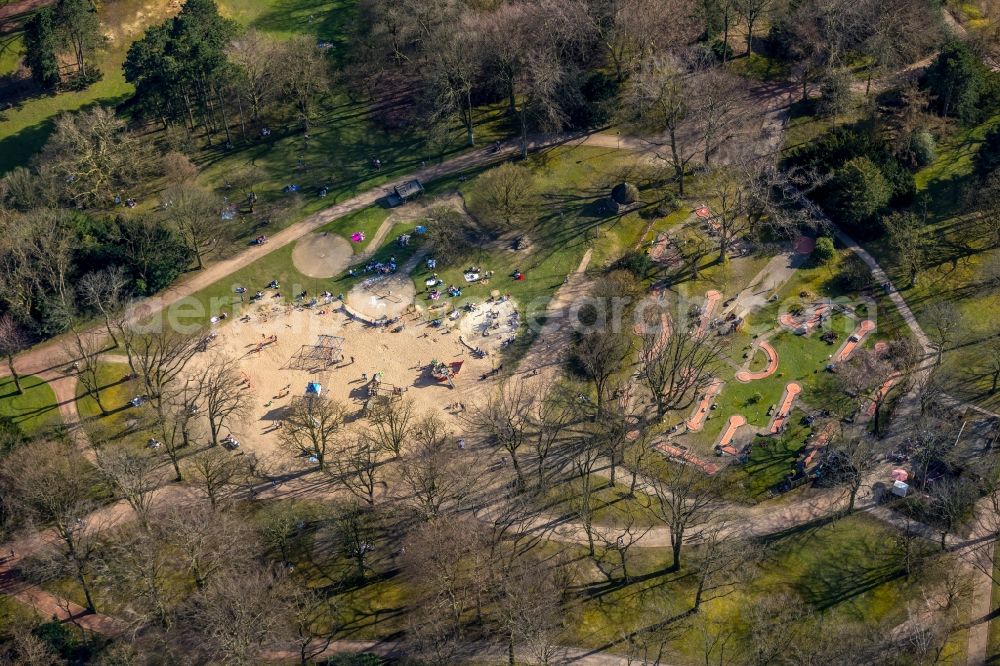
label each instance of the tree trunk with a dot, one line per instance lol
(996, 378)
(222, 113)
(676, 541)
(468, 118)
(17, 377)
(243, 120)
(725, 37)
(524, 130)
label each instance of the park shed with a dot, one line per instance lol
(405, 191)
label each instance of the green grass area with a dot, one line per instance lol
(123, 423)
(34, 411)
(846, 569)
(805, 126)
(760, 67)
(610, 504)
(770, 461)
(366, 221)
(941, 182)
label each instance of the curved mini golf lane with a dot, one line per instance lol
(745, 375)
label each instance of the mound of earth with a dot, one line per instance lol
(382, 296)
(322, 255)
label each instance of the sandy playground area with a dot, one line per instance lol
(402, 357)
(322, 255)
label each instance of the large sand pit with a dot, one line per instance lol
(322, 255)
(403, 358)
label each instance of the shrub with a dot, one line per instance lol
(987, 159)
(636, 263)
(859, 192)
(721, 50)
(625, 194)
(824, 250)
(755, 398)
(923, 147)
(835, 93)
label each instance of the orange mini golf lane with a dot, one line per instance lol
(772, 364)
(711, 298)
(792, 391)
(736, 421)
(697, 420)
(861, 332)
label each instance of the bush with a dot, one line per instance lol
(721, 50)
(755, 398)
(636, 263)
(987, 159)
(824, 250)
(625, 194)
(859, 192)
(854, 274)
(923, 147)
(835, 93)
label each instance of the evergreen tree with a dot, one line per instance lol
(959, 83)
(40, 45)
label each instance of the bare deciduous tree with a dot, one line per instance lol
(313, 427)
(105, 291)
(391, 423)
(217, 473)
(357, 468)
(677, 366)
(505, 419)
(223, 395)
(683, 500)
(49, 483)
(435, 473)
(12, 340)
(132, 476)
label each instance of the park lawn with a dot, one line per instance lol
(24, 129)
(116, 396)
(842, 568)
(769, 462)
(34, 411)
(845, 569)
(610, 505)
(367, 221)
(759, 67)
(805, 126)
(940, 183)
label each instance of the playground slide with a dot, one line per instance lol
(792, 390)
(711, 298)
(772, 364)
(856, 338)
(736, 421)
(697, 420)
